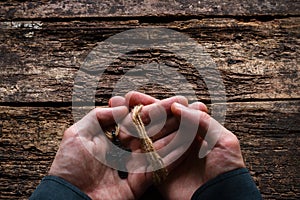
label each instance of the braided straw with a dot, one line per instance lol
(147, 145)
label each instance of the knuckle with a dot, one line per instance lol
(201, 106)
(68, 133)
(97, 110)
(204, 116)
(182, 100)
(231, 141)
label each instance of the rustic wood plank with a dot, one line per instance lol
(257, 60)
(117, 8)
(43, 44)
(268, 133)
(29, 140)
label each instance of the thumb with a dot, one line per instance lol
(116, 101)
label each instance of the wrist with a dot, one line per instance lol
(53, 187)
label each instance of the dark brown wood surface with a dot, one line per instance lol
(145, 8)
(255, 45)
(258, 60)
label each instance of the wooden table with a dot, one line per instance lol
(255, 45)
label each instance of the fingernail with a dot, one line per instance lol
(178, 105)
(183, 101)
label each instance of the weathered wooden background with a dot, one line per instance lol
(255, 45)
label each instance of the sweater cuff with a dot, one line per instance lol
(53, 187)
(233, 185)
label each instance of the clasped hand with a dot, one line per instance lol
(81, 158)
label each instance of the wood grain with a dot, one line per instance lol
(255, 45)
(257, 60)
(268, 133)
(133, 8)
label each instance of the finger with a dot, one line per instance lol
(176, 156)
(155, 132)
(134, 98)
(198, 106)
(140, 168)
(162, 142)
(116, 101)
(176, 140)
(192, 117)
(208, 128)
(170, 126)
(202, 107)
(155, 110)
(97, 121)
(150, 115)
(171, 157)
(110, 116)
(159, 142)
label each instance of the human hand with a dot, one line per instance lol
(75, 163)
(159, 122)
(224, 156)
(193, 172)
(81, 157)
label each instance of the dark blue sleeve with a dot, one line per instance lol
(233, 185)
(52, 187)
